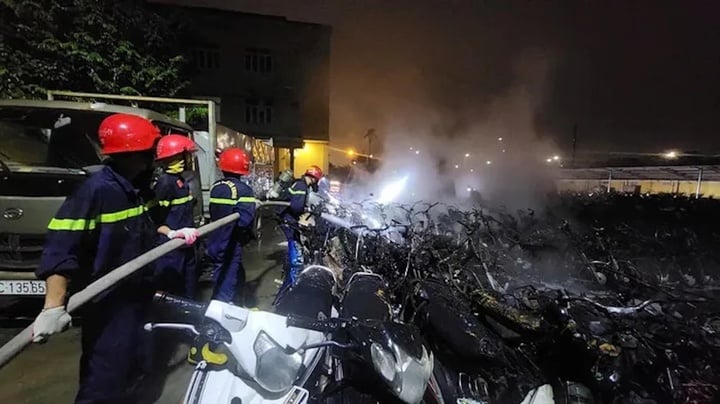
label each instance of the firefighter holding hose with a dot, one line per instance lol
(227, 196)
(290, 218)
(102, 225)
(175, 272)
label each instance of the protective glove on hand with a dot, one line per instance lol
(306, 220)
(49, 322)
(187, 233)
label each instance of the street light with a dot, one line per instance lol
(467, 154)
(672, 154)
(417, 151)
(500, 139)
(549, 160)
(351, 152)
(488, 162)
(556, 158)
(457, 166)
(472, 170)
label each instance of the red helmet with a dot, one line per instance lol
(315, 172)
(172, 145)
(122, 133)
(234, 160)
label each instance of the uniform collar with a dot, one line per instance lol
(112, 175)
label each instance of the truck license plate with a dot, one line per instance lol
(22, 287)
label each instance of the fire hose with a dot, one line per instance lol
(24, 338)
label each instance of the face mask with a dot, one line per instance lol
(176, 166)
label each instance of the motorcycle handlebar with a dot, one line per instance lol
(309, 323)
(178, 304)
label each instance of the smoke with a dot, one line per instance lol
(493, 149)
(447, 78)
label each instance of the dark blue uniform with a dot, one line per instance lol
(175, 272)
(298, 195)
(290, 216)
(227, 196)
(101, 226)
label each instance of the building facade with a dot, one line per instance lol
(270, 77)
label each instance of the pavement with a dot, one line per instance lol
(48, 373)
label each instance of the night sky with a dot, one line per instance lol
(636, 76)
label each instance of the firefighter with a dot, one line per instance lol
(101, 226)
(230, 195)
(290, 218)
(175, 272)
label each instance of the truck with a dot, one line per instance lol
(48, 147)
(210, 142)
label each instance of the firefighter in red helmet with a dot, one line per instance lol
(290, 217)
(175, 271)
(230, 195)
(102, 225)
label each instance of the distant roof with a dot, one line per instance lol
(96, 106)
(684, 158)
(226, 11)
(710, 172)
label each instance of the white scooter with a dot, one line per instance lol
(259, 357)
(247, 356)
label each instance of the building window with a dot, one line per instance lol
(258, 112)
(206, 58)
(258, 60)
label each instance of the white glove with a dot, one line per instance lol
(49, 322)
(187, 233)
(306, 220)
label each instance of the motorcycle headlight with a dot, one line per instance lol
(383, 361)
(406, 375)
(275, 370)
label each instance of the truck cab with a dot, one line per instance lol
(48, 148)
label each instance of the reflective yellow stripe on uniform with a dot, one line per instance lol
(175, 202)
(228, 201)
(121, 215)
(71, 224)
(294, 192)
(233, 188)
(90, 224)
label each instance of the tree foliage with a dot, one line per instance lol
(119, 47)
(195, 116)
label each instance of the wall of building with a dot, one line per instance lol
(707, 188)
(283, 160)
(313, 153)
(272, 75)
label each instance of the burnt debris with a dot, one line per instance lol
(609, 298)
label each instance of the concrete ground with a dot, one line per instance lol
(48, 373)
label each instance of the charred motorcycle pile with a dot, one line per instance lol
(604, 298)
(594, 299)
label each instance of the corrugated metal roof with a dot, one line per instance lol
(97, 107)
(671, 173)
